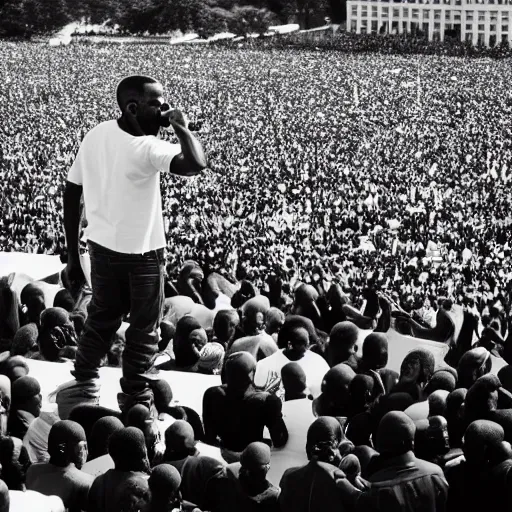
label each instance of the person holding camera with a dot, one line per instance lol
(117, 170)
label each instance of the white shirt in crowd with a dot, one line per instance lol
(315, 367)
(23, 501)
(120, 176)
(298, 416)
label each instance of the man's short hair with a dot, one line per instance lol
(131, 88)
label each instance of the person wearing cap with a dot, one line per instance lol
(127, 447)
(250, 489)
(164, 485)
(125, 233)
(295, 342)
(25, 406)
(319, 485)
(235, 414)
(298, 416)
(23, 501)
(62, 475)
(201, 476)
(401, 481)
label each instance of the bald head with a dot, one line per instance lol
(132, 89)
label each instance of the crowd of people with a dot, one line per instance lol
(369, 171)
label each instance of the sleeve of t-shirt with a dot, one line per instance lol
(161, 153)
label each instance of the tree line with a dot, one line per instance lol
(206, 17)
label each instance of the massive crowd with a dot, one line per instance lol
(371, 171)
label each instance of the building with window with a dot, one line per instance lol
(487, 21)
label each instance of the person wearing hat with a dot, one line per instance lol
(62, 475)
(298, 416)
(235, 414)
(164, 485)
(295, 342)
(250, 489)
(319, 485)
(401, 480)
(25, 406)
(127, 447)
(201, 476)
(22, 501)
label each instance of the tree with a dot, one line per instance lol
(47, 15)
(251, 20)
(12, 19)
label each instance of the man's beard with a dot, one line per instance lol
(149, 126)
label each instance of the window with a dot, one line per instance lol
(437, 26)
(492, 28)
(481, 28)
(353, 26)
(504, 38)
(396, 13)
(354, 10)
(385, 11)
(481, 16)
(469, 16)
(469, 27)
(504, 28)
(415, 13)
(504, 16)
(375, 10)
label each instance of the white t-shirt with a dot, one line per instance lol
(315, 367)
(23, 501)
(298, 416)
(120, 176)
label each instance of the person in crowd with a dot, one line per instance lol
(400, 480)
(211, 359)
(24, 342)
(20, 501)
(62, 475)
(335, 397)
(250, 489)
(274, 320)
(127, 447)
(235, 414)
(202, 477)
(319, 485)
(342, 346)
(136, 156)
(14, 461)
(224, 326)
(297, 341)
(132, 495)
(26, 405)
(164, 485)
(36, 438)
(472, 365)
(298, 416)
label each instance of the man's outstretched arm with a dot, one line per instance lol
(72, 216)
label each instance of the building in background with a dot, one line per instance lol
(487, 22)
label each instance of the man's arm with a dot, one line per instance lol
(192, 160)
(210, 412)
(72, 215)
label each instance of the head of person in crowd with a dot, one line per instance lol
(291, 323)
(14, 462)
(136, 96)
(164, 484)
(26, 396)
(13, 367)
(100, 435)
(335, 397)
(305, 303)
(274, 320)
(480, 438)
(179, 441)
(431, 440)
(127, 447)
(455, 416)
(395, 434)
(323, 440)
(133, 495)
(189, 339)
(32, 300)
(482, 398)
(56, 333)
(5, 403)
(211, 359)
(294, 381)
(472, 365)
(24, 342)
(224, 326)
(415, 373)
(437, 403)
(505, 376)
(375, 352)
(67, 444)
(253, 315)
(64, 299)
(442, 379)
(246, 292)
(361, 392)
(254, 466)
(342, 343)
(139, 417)
(239, 372)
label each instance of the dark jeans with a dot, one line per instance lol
(122, 283)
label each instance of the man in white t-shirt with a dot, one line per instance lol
(117, 170)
